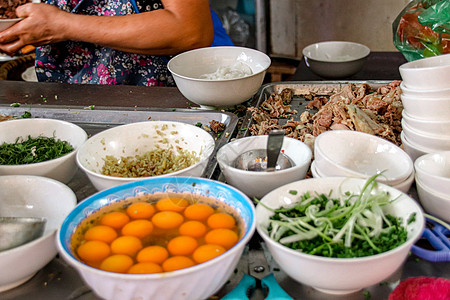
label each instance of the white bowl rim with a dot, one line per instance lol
(249, 233)
(55, 160)
(412, 65)
(219, 80)
(45, 236)
(437, 194)
(424, 171)
(418, 91)
(207, 157)
(362, 46)
(436, 137)
(405, 140)
(383, 179)
(399, 248)
(260, 174)
(406, 116)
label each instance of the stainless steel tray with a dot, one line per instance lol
(299, 102)
(101, 118)
(58, 280)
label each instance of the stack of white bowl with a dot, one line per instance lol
(346, 153)
(433, 183)
(426, 101)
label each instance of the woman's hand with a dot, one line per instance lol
(41, 24)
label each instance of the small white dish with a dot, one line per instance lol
(433, 109)
(430, 141)
(356, 154)
(432, 127)
(427, 73)
(433, 202)
(433, 170)
(335, 59)
(414, 151)
(257, 184)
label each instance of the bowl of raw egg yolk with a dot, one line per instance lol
(183, 234)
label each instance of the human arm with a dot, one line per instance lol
(182, 25)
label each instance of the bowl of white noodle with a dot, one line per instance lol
(216, 77)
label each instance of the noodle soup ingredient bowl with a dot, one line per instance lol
(62, 168)
(255, 183)
(138, 138)
(338, 275)
(361, 155)
(189, 69)
(335, 59)
(198, 282)
(33, 197)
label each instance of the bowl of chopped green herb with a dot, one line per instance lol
(41, 147)
(339, 235)
(141, 150)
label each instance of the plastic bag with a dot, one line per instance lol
(422, 29)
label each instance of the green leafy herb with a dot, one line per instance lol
(15, 104)
(33, 150)
(351, 225)
(26, 115)
(199, 124)
(293, 192)
(367, 295)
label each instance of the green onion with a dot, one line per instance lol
(351, 225)
(33, 150)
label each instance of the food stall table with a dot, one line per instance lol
(57, 280)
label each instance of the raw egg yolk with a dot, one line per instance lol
(93, 251)
(221, 220)
(223, 237)
(182, 245)
(101, 233)
(194, 229)
(115, 219)
(138, 228)
(176, 263)
(128, 245)
(167, 219)
(154, 254)
(145, 268)
(119, 263)
(207, 252)
(140, 210)
(171, 204)
(198, 211)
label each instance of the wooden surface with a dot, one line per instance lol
(87, 95)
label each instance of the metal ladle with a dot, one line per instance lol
(268, 159)
(16, 231)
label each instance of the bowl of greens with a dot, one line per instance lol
(40, 147)
(339, 235)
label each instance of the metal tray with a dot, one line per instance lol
(102, 118)
(300, 90)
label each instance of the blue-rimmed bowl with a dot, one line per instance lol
(197, 282)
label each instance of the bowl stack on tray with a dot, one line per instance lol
(361, 155)
(426, 100)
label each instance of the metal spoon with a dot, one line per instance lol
(265, 159)
(16, 231)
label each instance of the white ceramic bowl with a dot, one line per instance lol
(434, 109)
(63, 168)
(431, 141)
(436, 93)
(197, 282)
(335, 59)
(427, 73)
(338, 275)
(433, 171)
(137, 138)
(433, 202)
(403, 186)
(356, 154)
(257, 184)
(431, 127)
(32, 196)
(187, 68)
(414, 151)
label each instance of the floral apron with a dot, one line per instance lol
(79, 62)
